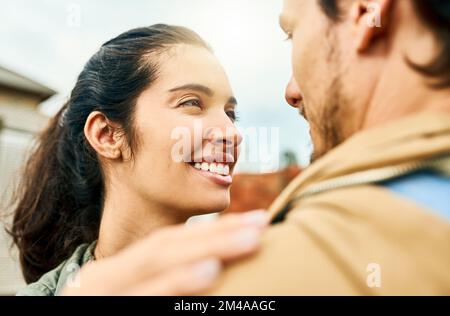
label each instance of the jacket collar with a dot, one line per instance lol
(413, 138)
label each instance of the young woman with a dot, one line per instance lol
(105, 174)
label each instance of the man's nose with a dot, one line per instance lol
(293, 95)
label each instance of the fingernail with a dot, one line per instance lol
(257, 218)
(208, 269)
(247, 238)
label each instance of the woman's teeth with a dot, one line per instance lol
(216, 168)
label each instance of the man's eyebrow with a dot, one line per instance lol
(232, 101)
(195, 87)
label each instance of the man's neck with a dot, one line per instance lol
(405, 94)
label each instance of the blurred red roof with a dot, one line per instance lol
(258, 191)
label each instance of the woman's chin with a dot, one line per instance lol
(214, 205)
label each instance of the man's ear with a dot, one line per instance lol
(371, 18)
(103, 136)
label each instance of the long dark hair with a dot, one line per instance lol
(58, 204)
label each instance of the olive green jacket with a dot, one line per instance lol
(53, 282)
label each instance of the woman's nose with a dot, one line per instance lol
(293, 94)
(226, 138)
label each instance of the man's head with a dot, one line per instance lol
(359, 63)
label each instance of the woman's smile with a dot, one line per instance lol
(219, 173)
(217, 168)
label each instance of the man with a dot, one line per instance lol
(371, 215)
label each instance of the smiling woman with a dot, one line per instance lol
(103, 175)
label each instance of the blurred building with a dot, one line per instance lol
(20, 120)
(258, 191)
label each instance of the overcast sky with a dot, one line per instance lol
(50, 40)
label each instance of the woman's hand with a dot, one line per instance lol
(179, 260)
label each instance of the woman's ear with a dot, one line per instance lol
(104, 136)
(371, 19)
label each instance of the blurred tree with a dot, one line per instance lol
(289, 159)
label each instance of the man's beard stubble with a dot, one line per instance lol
(330, 124)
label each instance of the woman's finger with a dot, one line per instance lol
(183, 280)
(224, 224)
(225, 247)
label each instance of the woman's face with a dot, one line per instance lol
(187, 141)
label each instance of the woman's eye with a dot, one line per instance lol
(193, 102)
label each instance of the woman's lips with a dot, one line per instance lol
(218, 173)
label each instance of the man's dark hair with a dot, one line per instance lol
(435, 14)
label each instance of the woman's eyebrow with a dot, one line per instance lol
(202, 88)
(195, 87)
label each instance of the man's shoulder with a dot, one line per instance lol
(329, 243)
(293, 260)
